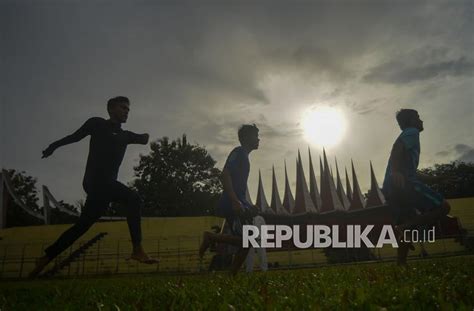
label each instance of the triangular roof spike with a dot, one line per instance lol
(274, 187)
(340, 190)
(329, 196)
(262, 202)
(325, 164)
(313, 184)
(327, 167)
(358, 200)
(303, 201)
(321, 177)
(348, 186)
(375, 197)
(288, 200)
(275, 204)
(247, 196)
(338, 177)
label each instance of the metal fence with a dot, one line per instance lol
(180, 255)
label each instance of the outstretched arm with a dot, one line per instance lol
(141, 139)
(82, 132)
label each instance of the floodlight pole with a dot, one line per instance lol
(46, 207)
(3, 205)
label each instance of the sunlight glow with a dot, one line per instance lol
(324, 126)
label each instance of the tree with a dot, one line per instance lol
(462, 173)
(177, 179)
(462, 187)
(24, 187)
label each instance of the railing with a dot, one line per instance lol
(180, 255)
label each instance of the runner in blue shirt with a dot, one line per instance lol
(414, 203)
(233, 204)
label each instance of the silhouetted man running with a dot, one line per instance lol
(233, 204)
(107, 147)
(404, 187)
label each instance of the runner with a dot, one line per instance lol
(414, 203)
(233, 204)
(107, 147)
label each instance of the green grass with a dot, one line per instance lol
(443, 283)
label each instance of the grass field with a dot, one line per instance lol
(443, 283)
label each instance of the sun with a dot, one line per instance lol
(324, 126)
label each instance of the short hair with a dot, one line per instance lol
(246, 130)
(117, 100)
(405, 116)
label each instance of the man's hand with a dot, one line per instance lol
(47, 152)
(398, 179)
(141, 139)
(146, 137)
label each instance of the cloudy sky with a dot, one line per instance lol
(205, 69)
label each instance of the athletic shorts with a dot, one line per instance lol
(236, 222)
(415, 199)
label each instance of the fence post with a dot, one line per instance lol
(3, 203)
(128, 265)
(441, 233)
(98, 258)
(179, 254)
(158, 254)
(22, 260)
(83, 259)
(69, 266)
(138, 267)
(4, 258)
(290, 261)
(117, 258)
(199, 260)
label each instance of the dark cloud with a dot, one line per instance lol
(466, 153)
(401, 72)
(462, 148)
(443, 153)
(204, 69)
(459, 152)
(225, 131)
(307, 60)
(467, 156)
(367, 107)
(279, 131)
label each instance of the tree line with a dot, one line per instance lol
(177, 178)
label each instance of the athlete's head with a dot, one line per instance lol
(248, 136)
(409, 118)
(118, 108)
